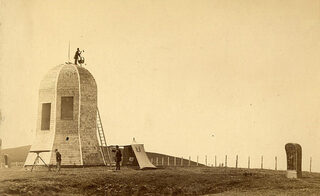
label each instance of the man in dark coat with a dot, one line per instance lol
(118, 157)
(58, 159)
(77, 56)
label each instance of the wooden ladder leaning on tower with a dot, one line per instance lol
(103, 143)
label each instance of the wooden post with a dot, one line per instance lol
(215, 160)
(310, 163)
(0, 153)
(261, 162)
(162, 161)
(168, 161)
(206, 161)
(175, 161)
(157, 161)
(276, 164)
(181, 163)
(248, 162)
(226, 161)
(237, 161)
(197, 160)
(189, 161)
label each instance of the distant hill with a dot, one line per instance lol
(18, 154)
(154, 156)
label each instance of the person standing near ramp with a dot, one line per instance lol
(58, 159)
(118, 157)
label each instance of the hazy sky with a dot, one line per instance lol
(172, 73)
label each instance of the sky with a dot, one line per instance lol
(172, 73)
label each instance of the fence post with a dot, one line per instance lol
(310, 163)
(162, 161)
(197, 160)
(261, 162)
(157, 161)
(276, 166)
(237, 161)
(189, 161)
(181, 161)
(168, 161)
(215, 160)
(248, 162)
(206, 161)
(226, 161)
(175, 161)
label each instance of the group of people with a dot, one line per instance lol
(118, 158)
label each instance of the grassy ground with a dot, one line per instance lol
(167, 181)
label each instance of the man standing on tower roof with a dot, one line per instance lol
(77, 56)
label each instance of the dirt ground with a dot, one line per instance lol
(166, 181)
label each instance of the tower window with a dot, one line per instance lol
(45, 116)
(66, 108)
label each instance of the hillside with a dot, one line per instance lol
(154, 156)
(166, 181)
(18, 154)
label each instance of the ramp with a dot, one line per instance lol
(142, 158)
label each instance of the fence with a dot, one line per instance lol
(175, 162)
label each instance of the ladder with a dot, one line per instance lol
(102, 139)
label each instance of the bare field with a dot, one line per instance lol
(167, 181)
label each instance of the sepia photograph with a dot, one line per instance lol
(159, 97)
